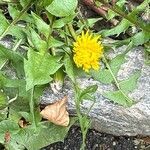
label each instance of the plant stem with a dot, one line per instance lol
(80, 117)
(16, 19)
(121, 13)
(50, 31)
(31, 104)
(115, 80)
(72, 31)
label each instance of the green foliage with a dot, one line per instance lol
(62, 8)
(119, 97)
(3, 100)
(87, 94)
(69, 67)
(30, 138)
(36, 68)
(108, 75)
(84, 121)
(63, 21)
(42, 38)
(129, 84)
(129, 20)
(42, 27)
(103, 75)
(3, 23)
(111, 14)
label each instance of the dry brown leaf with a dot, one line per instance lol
(57, 113)
(22, 123)
(7, 136)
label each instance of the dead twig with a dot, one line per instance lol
(100, 10)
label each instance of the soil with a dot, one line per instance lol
(98, 141)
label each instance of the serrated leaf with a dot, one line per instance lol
(121, 27)
(14, 57)
(41, 25)
(129, 20)
(54, 42)
(104, 75)
(38, 43)
(44, 136)
(112, 14)
(119, 98)
(62, 8)
(91, 21)
(143, 36)
(33, 139)
(116, 63)
(129, 84)
(15, 12)
(3, 23)
(63, 21)
(69, 67)
(39, 67)
(18, 32)
(87, 92)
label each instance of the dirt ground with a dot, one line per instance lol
(99, 141)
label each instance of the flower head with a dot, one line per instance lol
(87, 51)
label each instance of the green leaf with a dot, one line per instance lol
(69, 67)
(121, 27)
(104, 75)
(39, 67)
(15, 12)
(45, 136)
(33, 139)
(116, 63)
(62, 8)
(42, 27)
(112, 14)
(54, 43)
(45, 3)
(3, 114)
(91, 21)
(2, 61)
(63, 21)
(14, 57)
(17, 32)
(119, 98)
(3, 100)
(86, 93)
(37, 42)
(8, 126)
(143, 36)
(130, 84)
(3, 23)
(24, 2)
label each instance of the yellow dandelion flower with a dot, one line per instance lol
(87, 51)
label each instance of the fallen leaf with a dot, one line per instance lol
(57, 113)
(7, 136)
(22, 123)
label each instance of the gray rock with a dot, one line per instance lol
(107, 116)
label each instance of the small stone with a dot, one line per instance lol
(142, 146)
(114, 143)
